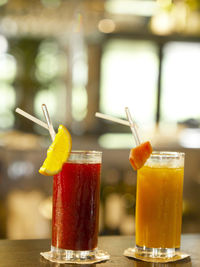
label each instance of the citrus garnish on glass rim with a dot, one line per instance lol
(139, 154)
(57, 153)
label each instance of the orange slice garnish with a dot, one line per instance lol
(58, 152)
(139, 155)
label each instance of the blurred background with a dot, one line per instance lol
(82, 56)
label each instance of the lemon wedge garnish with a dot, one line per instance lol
(57, 153)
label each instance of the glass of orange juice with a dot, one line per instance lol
(159, 205)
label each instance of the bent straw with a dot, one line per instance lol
(30, 117)
(129, 123)
(111, 118)
(48, 120)
(132, 126)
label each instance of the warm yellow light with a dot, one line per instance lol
(164, 3)
(106, 25)
(161, 23)
(136, 7)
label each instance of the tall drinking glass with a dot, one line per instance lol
(75, 216)
(159, 205)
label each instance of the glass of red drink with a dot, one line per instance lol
(75, 215)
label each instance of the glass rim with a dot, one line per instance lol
(86, 152)
(167, 154)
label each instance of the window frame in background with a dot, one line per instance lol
(160, 43)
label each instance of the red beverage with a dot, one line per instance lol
(76, 191)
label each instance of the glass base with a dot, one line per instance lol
(156, 252)
(159, 255)
(75, 256)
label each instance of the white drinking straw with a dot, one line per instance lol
(129, 123)
(111, 118)
(133, 127)
(30, 117)
(49, 123)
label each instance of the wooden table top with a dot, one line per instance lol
(26, 253)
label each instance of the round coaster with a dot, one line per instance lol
(131, 252)
(99, 256)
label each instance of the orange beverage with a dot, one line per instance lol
(159, 201)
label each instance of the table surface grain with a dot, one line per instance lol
(26, 253)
